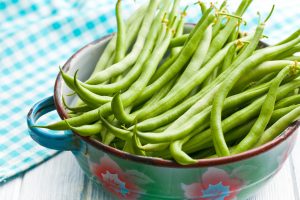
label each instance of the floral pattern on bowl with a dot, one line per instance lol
(215, 184)
(123, 184)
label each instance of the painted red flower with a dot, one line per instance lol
(115, 180)
(215, 184)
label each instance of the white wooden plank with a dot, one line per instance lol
(60, 178)
(296, 163)
(280, 187)
(10, 190)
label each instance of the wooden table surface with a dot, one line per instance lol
(60, 178)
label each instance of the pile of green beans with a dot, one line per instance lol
(159, 90)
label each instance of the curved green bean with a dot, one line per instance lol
(120, 133)
(279, 126)
(179, 41)
(129, 60)
(261, 71)
(133, 23)
(87, 130)
(265, 114)
(87, 96)
(121, 35)
(281, 112)
(295, 99)
(242, 116)
(183, 90)
(220, 39)
(255, 59)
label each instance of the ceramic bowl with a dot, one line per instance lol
(131, 177)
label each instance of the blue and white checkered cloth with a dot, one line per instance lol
(38, 36)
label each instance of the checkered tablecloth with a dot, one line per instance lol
(38, 36)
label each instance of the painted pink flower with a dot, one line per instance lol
(215, 184)
(115, 180)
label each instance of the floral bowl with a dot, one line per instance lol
(132, 177)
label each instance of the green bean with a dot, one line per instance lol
(237, 133)
(263, 80)
(281, 112)
(174, 113)
(183, 58)
(220, 39)
(73, 114)
(154, 147)
(163, 68)
(118, 109)
(86, 118)
(133, 74)
(178, 110)
(229, 58)
(290, 52)
(197, 59)
(174, 9)
(121, 35)
(260, 71)
(231, 135)
(265, 114)
(129, 60)
(198, 138)
(137, 145)
(183, 158)
(179, 32)
(218, 24)
(180, 156)
(87, 130)
(187, 122)
(131, 36)
(133, 22)
(295, 99)
(183, 90)
(171, 135)
(128, 147)
(120, 133)
(149, 68)
(88, 97)
(279, 126)
(179, 41)
(202, 6)
(248, 51)
(158, 96)
(255, 59)
(168, 116)
(108, 137)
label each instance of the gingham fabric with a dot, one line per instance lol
(38, 36)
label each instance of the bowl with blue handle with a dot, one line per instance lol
(129, 176)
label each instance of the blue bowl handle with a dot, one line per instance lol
(66, 142)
